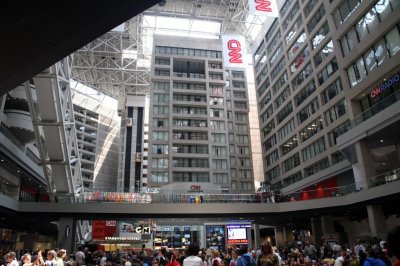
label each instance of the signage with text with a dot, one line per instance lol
(237, 233)
(264, 8)
(387, 84)
(234, 51)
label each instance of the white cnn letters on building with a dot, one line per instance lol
(264, 8)
(234, 51)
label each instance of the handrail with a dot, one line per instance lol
(209, 198)
(370, 112)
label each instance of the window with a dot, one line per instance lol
(271, 31)
(317, 167)
(160, 135)
(190, 162)
(289, 145)
(274, 43)
(318, 15)
(280, 83)
(220, 178)
(296, 45)
(158, 97)
(270, 142)
(313, 149)
(305, 92)
(272, 157)
(190, 135)
(241, 117)
(219, 164)
(267, 113)
(301, 57)
(331, 91)
(291, 163)
(292, 179)
(244, 150)
(217, 125)
(243, 139)
(160, 122)
(278, 68)
(160, 149)
(216, 112)
(292, 32)
(284, 112)
(320, 35)
(273, 173)
(286, 129)
(263, 87)
(191, 177)
(196, 149)
(338, 131)
(218, 137)
(303, 75)
(259, 51)
(311, 129)
(162, 61)
(310, 6)
(327, 71)
(241, 128)
(289, 18)
(245, 162)
(268, 127)
(159, 177)
(336, 111)
(189, 123)
(161, 86)
(309, 110)
(324, 53)
(159, 163)
(282, 97)
(160, 110)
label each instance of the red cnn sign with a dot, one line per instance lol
(263, 5)
(235, 54)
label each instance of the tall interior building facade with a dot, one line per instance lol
(327, 90)
(199, 123)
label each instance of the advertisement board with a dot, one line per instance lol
(264, 8)
(237, 233)
(215, 237)
(234, 51)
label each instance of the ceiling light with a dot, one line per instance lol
(381, 141)
(18, 171)
(2, 160)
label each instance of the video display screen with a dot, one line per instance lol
(215, 236)
(237, 233)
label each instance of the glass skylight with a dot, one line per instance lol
(182, 26)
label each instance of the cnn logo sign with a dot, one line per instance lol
(234, 51)
(263, 7)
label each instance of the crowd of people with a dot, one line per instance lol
(375, 253)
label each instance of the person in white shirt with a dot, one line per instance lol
(340, 259)
(80, 256)
(103, 259)
(193, 259)
(51, 258)
(10, 258)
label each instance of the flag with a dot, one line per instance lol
(234, 51)
(264, 8)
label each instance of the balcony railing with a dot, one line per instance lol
(259, 197)
(367, 114)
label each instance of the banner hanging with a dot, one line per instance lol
(234, 51)
(264, 8)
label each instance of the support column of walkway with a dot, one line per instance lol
(66, 234)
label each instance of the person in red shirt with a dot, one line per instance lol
(171, 261)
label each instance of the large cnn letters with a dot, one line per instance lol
(235, 54)
(234, 51)
(264, 8)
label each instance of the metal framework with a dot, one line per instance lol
(118, 63)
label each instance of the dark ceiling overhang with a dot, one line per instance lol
(36, 34)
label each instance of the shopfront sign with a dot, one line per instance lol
(387, 84)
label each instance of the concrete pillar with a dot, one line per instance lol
(257, 243)
(377, 221)
(279, 238)
(327, 225)
(66, 234)
(365, 168)
(284, 235)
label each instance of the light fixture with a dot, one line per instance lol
(18, 171)
(381, 141)
(2, 160)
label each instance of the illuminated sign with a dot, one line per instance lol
(234, 51)
(237, 233)
(387, 84)
(264, 8)
(123, 238)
